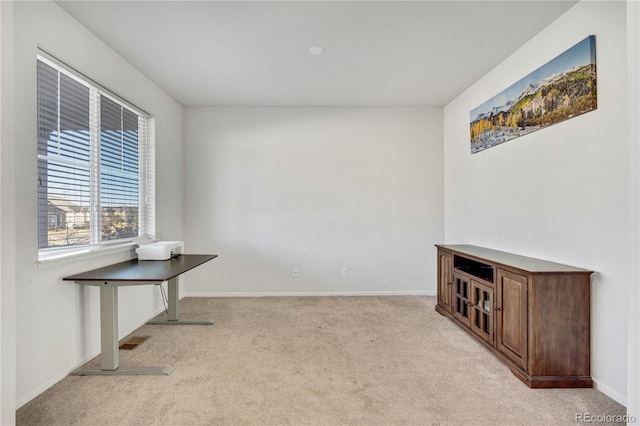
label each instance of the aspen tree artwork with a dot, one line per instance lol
(563, 88)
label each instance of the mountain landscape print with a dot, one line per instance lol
(563, 88)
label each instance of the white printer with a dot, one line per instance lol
(159, 250)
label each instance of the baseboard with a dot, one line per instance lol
(310, 293)
(620, 399)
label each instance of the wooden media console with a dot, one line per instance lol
(532, 314)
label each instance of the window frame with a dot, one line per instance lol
(146, 173)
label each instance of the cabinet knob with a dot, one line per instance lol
(496, 308)
(450, 283)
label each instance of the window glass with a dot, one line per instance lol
(90, 172)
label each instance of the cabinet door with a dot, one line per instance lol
(445, 280)
(511, 316)
(481, 320)
(461, 295)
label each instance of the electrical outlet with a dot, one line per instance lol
(296, 272)
(345, 271)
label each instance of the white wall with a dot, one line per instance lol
(559, 193)
(270, 189)
(58, 322)
(633, 51)
(7, 222)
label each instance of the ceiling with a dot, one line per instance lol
(376, 53)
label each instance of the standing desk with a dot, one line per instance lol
(128, 273)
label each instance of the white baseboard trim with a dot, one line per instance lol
(620, 399)
(310, 293)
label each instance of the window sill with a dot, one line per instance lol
(53, 258)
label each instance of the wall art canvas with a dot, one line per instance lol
(563, 88)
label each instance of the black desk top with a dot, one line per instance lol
(144, 270)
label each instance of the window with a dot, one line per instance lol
(92, 163)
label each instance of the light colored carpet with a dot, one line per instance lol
(311, 361)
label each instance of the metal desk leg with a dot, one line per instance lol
(173, 310)
(109, 353)
(173, 296)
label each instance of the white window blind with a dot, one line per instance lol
(95, 177)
